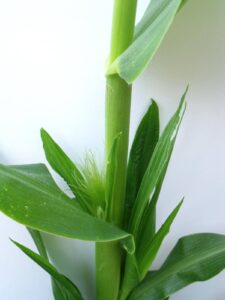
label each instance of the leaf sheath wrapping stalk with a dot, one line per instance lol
(148, 36)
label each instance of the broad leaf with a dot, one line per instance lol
(148, 36)
(38, 203)
(61, 279)
(144, 143)
(196, 257)
(157, 166)
(149, 250)
(40, 171)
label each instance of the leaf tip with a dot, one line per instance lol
(15, 243)
(43, 132)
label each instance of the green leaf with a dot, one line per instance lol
(157, 167)
(150, 248)
(65, 167)
(144, 143)
(131, 276)
(58, 290)
(149, 34)
(147, 226)
(137, 266)
(37, 238)
(197, 257)
(111, 170)
(38, 203)
(44, 263)
(58, 160)
(40, 171)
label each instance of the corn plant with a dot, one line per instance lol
(115, 207)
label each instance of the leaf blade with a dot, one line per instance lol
(37, 238)
(64, 166)
(157, 166)
(43, 206)
(58, 160)
(148, 36)
(197, 257)
(44, 264)
(111, 170)
(146, 257)
(144, 143)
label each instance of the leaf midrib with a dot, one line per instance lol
(187, 262)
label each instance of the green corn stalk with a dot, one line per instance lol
(118, 101)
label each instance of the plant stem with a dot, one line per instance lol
(118, 100)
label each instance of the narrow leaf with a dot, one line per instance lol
(157, 166)
(59, 161)
(111, 170)
(42, 206)
(65, 167)
(197, 257)
(149, 34)
(144, 143)
(42, 262)
(37, 238)
(58, 291)
(147, 226)
(149, 250)
(131, 276)
(137, 266)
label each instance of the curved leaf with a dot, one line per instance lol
(65, 167)
(146, 256)
(57, 288)
(41, 205)
(196, 257)
(61, 279)
(58, 160)
(137, 266)
(148, 36)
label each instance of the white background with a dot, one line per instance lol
(52, 56)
